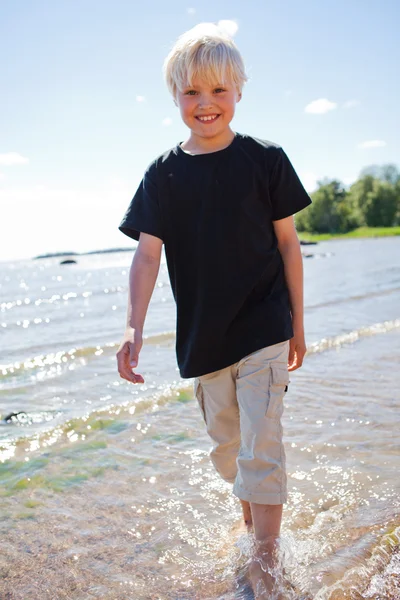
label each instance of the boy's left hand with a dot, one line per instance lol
(297, 350)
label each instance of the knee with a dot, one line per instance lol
(223, 457)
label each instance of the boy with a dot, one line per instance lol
(222, 203)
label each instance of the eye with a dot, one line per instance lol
(219, 90)
(190, 93)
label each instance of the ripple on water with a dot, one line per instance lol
(126, 503)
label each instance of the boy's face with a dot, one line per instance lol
(217, 103)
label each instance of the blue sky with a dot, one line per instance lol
(84, 108)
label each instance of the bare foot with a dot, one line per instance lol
(266, 574)
(248, 520)
(261, 580)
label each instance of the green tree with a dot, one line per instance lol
(381, 205)
(397, 190)
(329, 211)
(357, 196)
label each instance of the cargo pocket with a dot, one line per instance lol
(278, 386)
(198, 392)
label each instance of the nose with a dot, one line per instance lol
(205, 101)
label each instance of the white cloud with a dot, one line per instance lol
(191, 11)
(224, 27)
(309, 180)
(320, 106)
(167, 121)
(140, 99)
(2, 176)
(351, 103)
(372, 144)
(229, 27)
(10, 159)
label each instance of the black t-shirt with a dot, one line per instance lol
(214, 213)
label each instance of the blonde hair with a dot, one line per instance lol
(205, 52)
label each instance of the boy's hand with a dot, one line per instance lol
(297, 350)
(128, 355)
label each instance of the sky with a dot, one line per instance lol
(84, 108)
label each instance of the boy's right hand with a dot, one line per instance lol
(128, 355)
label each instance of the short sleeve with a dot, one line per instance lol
(143, 213)
(287, 193)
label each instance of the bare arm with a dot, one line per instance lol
(289, 247)
(142, 278)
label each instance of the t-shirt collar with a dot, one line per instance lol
(205, 154)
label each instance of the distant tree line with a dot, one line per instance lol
(373, 201)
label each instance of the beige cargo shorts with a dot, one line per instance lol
(242, 406)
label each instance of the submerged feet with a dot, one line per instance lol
(262, 568)
(266, 574)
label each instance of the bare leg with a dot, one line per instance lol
(267, 522)
(248, 520)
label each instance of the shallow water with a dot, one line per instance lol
(107, 489)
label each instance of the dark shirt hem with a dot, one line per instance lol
(233, 358)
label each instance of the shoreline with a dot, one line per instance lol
(360, 232)
(64, 254)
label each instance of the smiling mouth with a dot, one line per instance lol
(208, 118)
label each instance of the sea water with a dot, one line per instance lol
(107, 490)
